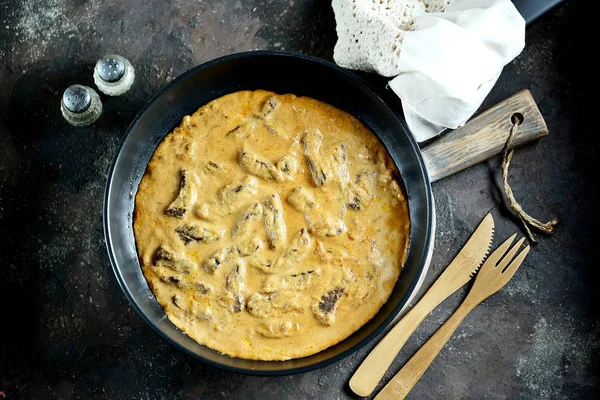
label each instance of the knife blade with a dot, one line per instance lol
(455, 276)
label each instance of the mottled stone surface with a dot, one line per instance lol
(66, 329)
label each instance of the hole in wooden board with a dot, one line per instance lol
(517, 118)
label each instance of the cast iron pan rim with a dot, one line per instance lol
(393, 314)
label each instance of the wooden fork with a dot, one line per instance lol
(492, 276)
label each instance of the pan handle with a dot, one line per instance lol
(484, 136)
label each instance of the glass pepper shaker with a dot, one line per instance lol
(113, 75)
(80, 105)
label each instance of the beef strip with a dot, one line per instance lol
(250, 246)
(230, 197)
(270, 105)
(272, 305)
(361, 190)
(220, 257)
(164, 257)
(324, 225)
(325, 309)
(190, 232)
(186, 196)
(259, 166)
(234, 286)
(246, 220)
(192, 308)
(233, 194)
(288, 166)
(294, 253)
(274, 223)
(339, 163)
(302, 199)
(313, 140)
(182, 283)
(296, 281)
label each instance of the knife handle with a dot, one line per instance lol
(402, 383)
(372, 369)
(484, 136)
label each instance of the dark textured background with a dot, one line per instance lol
(67, 331)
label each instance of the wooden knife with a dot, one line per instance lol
(456, 275)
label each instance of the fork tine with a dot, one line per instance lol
(511, 253)
(499, 252)
(514, 266)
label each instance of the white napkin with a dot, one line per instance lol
(447, 62)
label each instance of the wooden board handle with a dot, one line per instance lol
(484, 136)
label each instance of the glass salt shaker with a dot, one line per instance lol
(80, 105)
(113, 75)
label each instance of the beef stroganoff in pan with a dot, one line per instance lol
(270, 227)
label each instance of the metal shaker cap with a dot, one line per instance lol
(80, 105)
(77, 98)
(111, 67)
(113, 75)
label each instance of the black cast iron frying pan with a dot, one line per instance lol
(303, 76)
